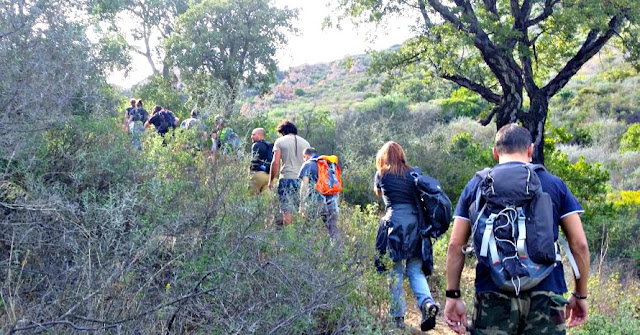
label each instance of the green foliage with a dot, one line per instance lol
(232, 42)
(299, 92)
(578, 135)
(158, 91)
(613, 307)
(462, 103)
(631, 139)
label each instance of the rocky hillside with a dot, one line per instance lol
(332, 85)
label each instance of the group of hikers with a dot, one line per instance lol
(307, 182)
(511, 213)
(137, 120)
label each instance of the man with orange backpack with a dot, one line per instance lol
(321, 184)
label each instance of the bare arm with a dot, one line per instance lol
(577, 308)
(275, 167)
(454, 312)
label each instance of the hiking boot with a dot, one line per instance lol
(429, 312)
(399, 322)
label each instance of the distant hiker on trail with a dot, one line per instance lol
(513, 213)
(289, 149)
(261, 157)
(162, 119)
(314, 204)
(224, 138)
(127, 112)
(136, 118)
(398, 233)
(196, 126)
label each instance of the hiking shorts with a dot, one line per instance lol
(289, 194)
(259, 181)
(538, 312)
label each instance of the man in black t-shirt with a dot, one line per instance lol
(261, 155)
(162, 119)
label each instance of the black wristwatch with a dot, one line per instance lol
(579, 297)
(454, 294)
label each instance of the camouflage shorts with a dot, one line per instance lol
(537, 312)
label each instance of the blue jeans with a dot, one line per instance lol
(417, 281)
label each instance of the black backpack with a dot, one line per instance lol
(434, 203)
(166, 120)
(434, 212)
(513, 227)
(268, 157)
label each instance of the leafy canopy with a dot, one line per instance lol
(232, 41)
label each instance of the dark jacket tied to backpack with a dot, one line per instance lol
(418, 213)
(398, 231)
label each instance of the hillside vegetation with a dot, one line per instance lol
(97, 236)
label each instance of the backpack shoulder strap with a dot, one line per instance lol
(537, 167)
(483, 173)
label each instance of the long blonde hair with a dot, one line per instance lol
(392, 159)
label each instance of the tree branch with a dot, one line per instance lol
(546, 12)
(447, 14)
(425, 15)
(485, 92)
(590, 47)
(487, 120)
(491, 7)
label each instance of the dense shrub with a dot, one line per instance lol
(631, 139)
(613, 306)
(159, 91)
(100, 236)
(462, 103)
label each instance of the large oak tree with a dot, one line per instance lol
(516, 54)
(231, 42)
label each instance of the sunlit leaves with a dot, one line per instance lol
(234, 42)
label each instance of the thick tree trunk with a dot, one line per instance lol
(534, 121)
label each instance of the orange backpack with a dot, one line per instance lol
(329, 181)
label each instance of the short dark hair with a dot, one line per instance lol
(139, 102)
(512, 138)
(194, 113)
(310, 151)
(156, 109)
(287, 127)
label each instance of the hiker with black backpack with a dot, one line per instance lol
(162, 119)
(261, 156)
(320, 186)
(513, 213)
(399, 234)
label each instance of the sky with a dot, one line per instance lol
(311, 45)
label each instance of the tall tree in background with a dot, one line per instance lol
(232, 42)
(503, 49)
(148, 22)
(50, 69)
